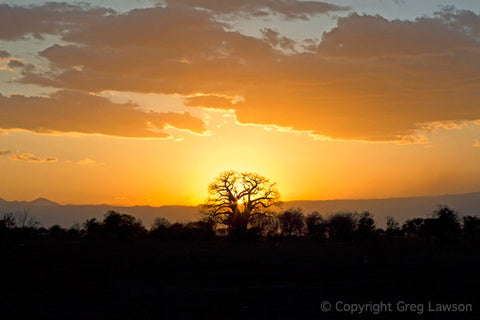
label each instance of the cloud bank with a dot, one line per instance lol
(73, 111)
(369, 79)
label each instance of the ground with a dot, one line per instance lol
(150, 279)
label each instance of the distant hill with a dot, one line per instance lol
(39, 202)
(400, 208)
(50, 213)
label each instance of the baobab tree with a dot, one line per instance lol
(234, 198)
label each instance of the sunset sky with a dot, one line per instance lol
(145, 102)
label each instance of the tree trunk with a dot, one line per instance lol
(239, 224)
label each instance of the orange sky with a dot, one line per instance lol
(148, 106)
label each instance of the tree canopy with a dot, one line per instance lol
(234, 198)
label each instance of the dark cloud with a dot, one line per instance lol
(289, 9)
(14, 63)
(4, 54)
(51, 18)
(69, 111)
(464, 21)
(274, 38)
(366, 36)
(61, 18)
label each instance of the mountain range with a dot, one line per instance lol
(49, 213)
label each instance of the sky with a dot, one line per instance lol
(146, 102)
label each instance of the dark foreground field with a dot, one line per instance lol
(222, 280)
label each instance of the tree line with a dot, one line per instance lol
(445, 225)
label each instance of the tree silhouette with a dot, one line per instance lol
(124, 226)
(316, 226)
(366, 226)
(413, 227)
(160, 227)
(342, 225)
(393, 228)
(471, 228)
(266, 226)
(445, 225)
(292, 222)
(234, 198)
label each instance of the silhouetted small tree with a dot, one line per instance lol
(265, 226)
(200, 230)
(75, 232)
(393, 228)
(316, 226)
(341, 226)
(413, 227)
(159, 228)
(448, 225)
(57, 233)
(176, 231)
(471, 228)
(8, 220)
(366, 226)
(124, 226)
(93, 227)
(443, 226)
(292, 222)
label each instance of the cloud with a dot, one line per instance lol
(461, 20)
(14, 63)
(370, 78)
(4, 54)
(51, 18)
(210, 101)
(4, 152)
(16, 22)
(185, 51)
(364, 36)
(31, 158)
(274, 38)
(288, 9)
(86, 162)
(70, 111)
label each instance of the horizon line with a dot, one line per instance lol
(196, 205)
